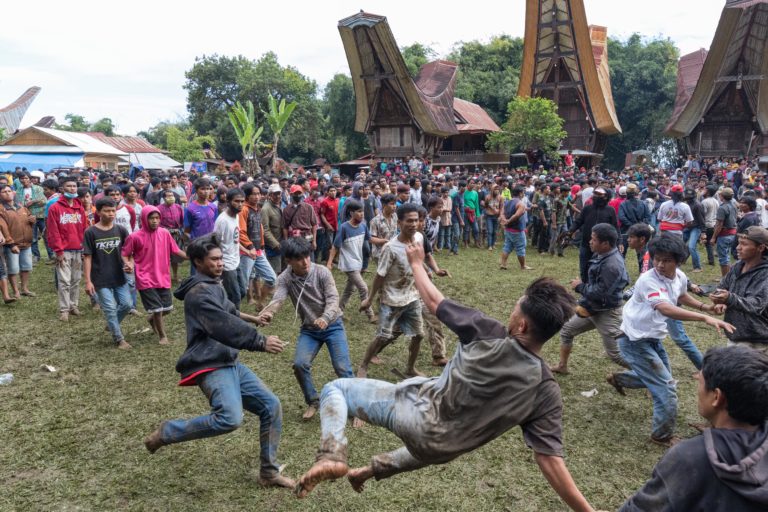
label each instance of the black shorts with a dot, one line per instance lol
(156, 300)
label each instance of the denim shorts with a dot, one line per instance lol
(18, 262)
(514, 241)
(406, 319)
(724, 244)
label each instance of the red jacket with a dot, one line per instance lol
(66, 226)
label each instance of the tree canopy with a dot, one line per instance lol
(644, 82)
(77, 123)
(532, 123)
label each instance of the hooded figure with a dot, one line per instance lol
(151, 248)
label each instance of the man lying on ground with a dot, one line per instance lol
(495, 381)
(726, 468)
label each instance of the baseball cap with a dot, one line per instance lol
(676, 188)
(274, 188)
(622, 190)
(296, 189)
(757, 234)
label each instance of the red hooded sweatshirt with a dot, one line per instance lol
(66, 225)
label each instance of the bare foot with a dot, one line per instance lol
(376, 360)
(124, 345)
(362, 373)
(413, 372)
(559, 368)
(526, 268)
(164, 341)
(151, 321)
(322, 470)
(358, 476)
(358, 423)
(277, 481)
(309, 413)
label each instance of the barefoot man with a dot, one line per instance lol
(400, 305)
(495, 381)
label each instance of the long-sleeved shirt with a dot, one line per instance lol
(747, 303)
(314, 295)
(607, 279)
(272, 220)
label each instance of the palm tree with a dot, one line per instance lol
(277, 117)
(243, 121)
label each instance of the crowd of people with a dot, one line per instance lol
(258, 241)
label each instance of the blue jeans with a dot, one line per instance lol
(650, 369)
(491, 228)
(471, 228)
(254, 269)
(585, 254)
(229, 391)
(38, 228)
(456, 236)
(115, 304)
(680, 337)
(724, 244)
(130, 279)
(691, 235)
(307, 347)
(372, 401)
(444, 237)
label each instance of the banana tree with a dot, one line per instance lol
(277, 117)
(243, 119)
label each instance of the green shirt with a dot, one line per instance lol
(472, 200)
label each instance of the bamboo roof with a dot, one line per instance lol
(584, 52)
(375, 61)
(738, 49)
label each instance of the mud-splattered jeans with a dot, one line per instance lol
(650, 369)
(372, 401)
(229, 391)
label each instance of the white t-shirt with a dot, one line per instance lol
(228, 230)
(710, 205)
(586, 194)
(399, 288)
(640, 319)
(762, 210)
(675, 213)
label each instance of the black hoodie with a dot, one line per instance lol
(215, 331)
(722, 470)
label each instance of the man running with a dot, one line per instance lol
(495, 381)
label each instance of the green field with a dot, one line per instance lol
(72, 440)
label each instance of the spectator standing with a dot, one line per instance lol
(66, 229)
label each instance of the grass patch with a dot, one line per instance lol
(73, 439)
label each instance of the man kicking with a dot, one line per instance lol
(495, 381)
(216, 332)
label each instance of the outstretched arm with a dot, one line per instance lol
(428, 291)
(554, 470)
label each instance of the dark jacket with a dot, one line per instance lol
(607, 279)
(697, 210)
(633, 211)
(721, 470)
(215, 331)
(747, 304)
(591, 216)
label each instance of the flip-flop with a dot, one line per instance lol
(10, 301)
(29, 294)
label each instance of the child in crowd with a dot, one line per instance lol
(148, 254)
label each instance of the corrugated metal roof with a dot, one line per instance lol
(473, 118)
(41, 149)
(81, 140)
(153, 160)
(126, 144)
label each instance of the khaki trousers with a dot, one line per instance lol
(69, 272)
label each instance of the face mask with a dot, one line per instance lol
(170, 200)
(600, 201)
(296, 199)
(70, 196)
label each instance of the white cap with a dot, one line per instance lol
(274, 188)
(622, 190)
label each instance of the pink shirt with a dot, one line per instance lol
(151, 251)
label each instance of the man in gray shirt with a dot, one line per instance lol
(316, 300)
(495, 381)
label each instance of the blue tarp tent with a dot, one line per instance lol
(46, 162)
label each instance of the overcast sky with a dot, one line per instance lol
(127, 60)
